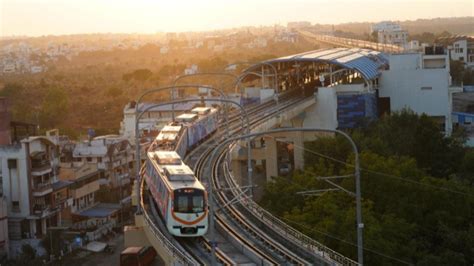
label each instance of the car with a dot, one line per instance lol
(138, 256)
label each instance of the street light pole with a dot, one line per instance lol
(360, 225)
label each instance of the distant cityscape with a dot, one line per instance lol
(81, 188)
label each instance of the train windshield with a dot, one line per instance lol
(189, 200)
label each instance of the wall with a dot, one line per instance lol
(354, 109)
(86, 189)
(323, 114)
(15, 181)
(404, 89)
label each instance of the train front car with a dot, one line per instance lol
(190, 212)
(181, 199)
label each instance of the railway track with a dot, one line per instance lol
(256, 237)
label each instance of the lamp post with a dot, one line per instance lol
(360, 225)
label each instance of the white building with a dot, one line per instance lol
(152, 120)
(462, 49)
(193, 69)
(114, 156)
(421, 83)
(385, 26)
(31, 188)
(390, 33)
(398, 37)
(413, 46)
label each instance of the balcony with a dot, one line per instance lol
(39, 169)
(42, 189)
(123, 176)
(44, 210)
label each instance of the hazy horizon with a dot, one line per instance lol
(55, 17)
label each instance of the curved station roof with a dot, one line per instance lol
(367, 62)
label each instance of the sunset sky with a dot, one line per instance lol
(43, 17)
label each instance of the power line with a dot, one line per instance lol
(343, 240)
(376, 172)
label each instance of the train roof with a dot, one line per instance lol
(167, 158)
(167, 136)
(201, 110)
(187, 117)
(178, 175)
(171, 128)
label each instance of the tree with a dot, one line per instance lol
(405, 133)
(54, 108)
(408, 214)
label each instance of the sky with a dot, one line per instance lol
(57, 17)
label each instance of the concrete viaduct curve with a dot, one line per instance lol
(318, 74)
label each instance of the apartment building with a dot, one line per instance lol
(114, 157)
(462, 49)
(34, 195)
(390, 33)
(420, 82)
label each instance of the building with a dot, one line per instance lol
(114, 157)
(34, 195)
(413, 46)
(390, 33)
(385, 26)
(152, 120)
(193, 69)
(461, 48)
(87, 214)
(420, 82)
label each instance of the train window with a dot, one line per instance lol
(189, 200)
(198, 203)
(182, 203)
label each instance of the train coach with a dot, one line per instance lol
(180, 197)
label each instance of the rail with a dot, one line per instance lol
(180, 256)
(277, 224)
(354, 42)
(264, 217)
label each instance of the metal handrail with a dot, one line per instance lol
(275, 223)
(170, 248)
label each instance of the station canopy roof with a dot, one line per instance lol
(367, 62)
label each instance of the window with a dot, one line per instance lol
(89, 159)
(461, 50)
(15, 206)
(99, 160)
(426, 88)
(461, 58)
(189, 200)
(12, 164)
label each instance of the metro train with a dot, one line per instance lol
(180, 197)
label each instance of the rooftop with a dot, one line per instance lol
(100, 210)
(367, 62)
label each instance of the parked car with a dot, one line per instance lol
(137, 256)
